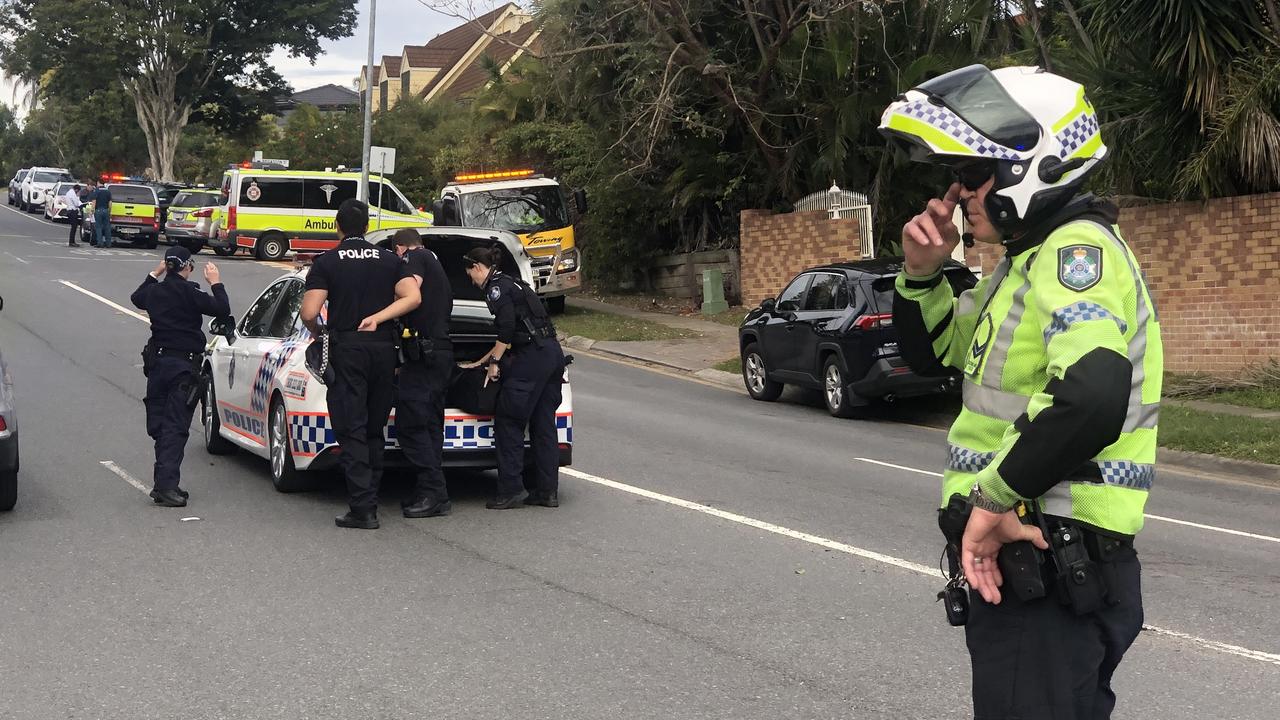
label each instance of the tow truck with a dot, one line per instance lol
(533, 208)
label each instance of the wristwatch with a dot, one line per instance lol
(979, 500)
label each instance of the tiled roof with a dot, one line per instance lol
(327, 96)
(391, 66)
(500, 49)
(464, 36)
(377, 72)
(424, 56)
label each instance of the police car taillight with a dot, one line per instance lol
(231, 218)
(874, 322)
(203, 213)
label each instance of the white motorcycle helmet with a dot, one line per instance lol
(1036, 132)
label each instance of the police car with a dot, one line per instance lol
(263, 399)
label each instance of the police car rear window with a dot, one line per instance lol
(132, 194)
(195, 199)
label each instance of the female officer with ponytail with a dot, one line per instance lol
(528, 359)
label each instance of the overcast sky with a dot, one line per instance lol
(399, 23)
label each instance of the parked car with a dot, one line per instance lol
(208, 221)
(8, 438)
(15, 185)
(135, 215)
(831, 329)
(37, 185)
(262, 397)
(180, 228)
(55, 203)
(165, 194)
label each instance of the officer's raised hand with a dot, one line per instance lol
(929, 238)
(160, 270)
(211, 274)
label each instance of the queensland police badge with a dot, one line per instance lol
(1080, 267)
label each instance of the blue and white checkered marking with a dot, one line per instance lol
(1063, 318)
(950, 123)
(1079, 132)
(1128, 474)
(271, 364)
(963, 459)
(311, 434)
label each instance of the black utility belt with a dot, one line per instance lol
(354, 337)
(422, 349)
(187, 355)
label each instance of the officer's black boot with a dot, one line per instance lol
(427, 507)
(545, 499)
(360, 519)
(505, 502)
(168, 498)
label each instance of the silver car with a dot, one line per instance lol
(8, 438)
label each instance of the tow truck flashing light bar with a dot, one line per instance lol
(500, 175)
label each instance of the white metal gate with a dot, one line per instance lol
(839, 203)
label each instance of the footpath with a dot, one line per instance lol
(716, 343)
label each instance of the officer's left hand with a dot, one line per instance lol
(984, 535)
(491, 375)
(368, 325)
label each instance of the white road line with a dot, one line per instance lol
(15, 257)
(1161, 518)
(925, 570)
(105, 301)
(126, 476)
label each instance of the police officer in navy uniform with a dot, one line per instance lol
(366, 288)
(528, 359)
(424, 377)
(171, 360)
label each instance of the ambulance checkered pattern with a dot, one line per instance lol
(310, 433)
(950, 123)
(1080, 131)
(1127, 474)
(965, 460)
(1079, 312)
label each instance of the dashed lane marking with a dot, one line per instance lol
(1258, 655)
(106, 302)
(15, 257)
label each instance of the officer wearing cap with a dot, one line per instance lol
(171, 360)
(366, 288)
(424, 377)
(1062, 360)
(528, 360)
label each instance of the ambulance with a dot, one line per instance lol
(269, 211)
(532, 207)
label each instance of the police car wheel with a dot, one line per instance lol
(841, 402)
(214, 443)
(272, 246)
(756, 377)
(284, 476)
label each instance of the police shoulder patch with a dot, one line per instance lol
(1079, 267)
(495, 292)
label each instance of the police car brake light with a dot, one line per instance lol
(498, 175)
(874, 322)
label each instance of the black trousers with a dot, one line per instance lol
(360, 399)
(529, 397)
(168, 417)
(1038, 660)
(420, 402)
(75, 218)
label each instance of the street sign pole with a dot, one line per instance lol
(363, 190)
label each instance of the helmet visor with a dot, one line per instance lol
(979, 99)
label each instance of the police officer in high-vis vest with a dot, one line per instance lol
(171, 360)
(1053, 454)
(366, 288)
(529, 362)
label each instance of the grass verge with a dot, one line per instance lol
(607, 326)
(1230, 436)
(733, 365)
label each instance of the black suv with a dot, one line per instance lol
(831, 329)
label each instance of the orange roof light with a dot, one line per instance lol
(500, 175)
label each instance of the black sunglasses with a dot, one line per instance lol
(974, 175)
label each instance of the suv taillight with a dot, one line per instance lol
(156, 220)
(206, 212)
(874, 322)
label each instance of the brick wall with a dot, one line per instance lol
(773, 248)
(1214, 269)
